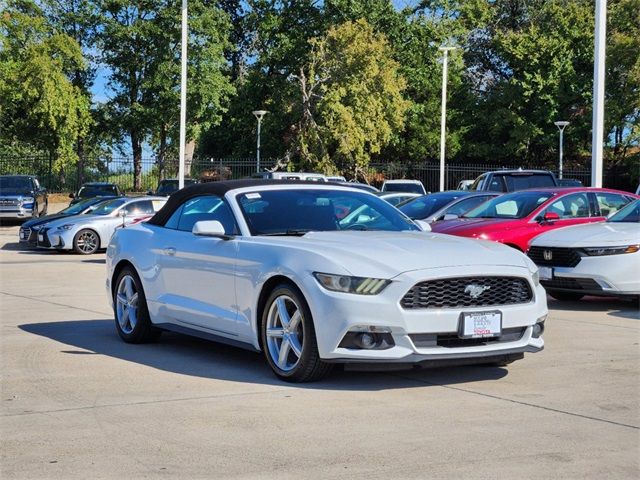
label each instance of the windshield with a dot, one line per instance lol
(171, 186)
(108, 207)
(517, 181)
(404, 187)
(98, 191)
(629, 214)
(513, 205)
(17, 184)
(297, 211)
(423, 207)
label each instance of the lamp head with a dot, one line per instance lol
(260, 113)
(561, 124)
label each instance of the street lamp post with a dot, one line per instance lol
(561, 124)
(597, 136)
(443, 118)
(259, 114)
(183, 97)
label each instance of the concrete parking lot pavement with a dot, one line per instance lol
(76, 402)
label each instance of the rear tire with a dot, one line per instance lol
(133, 323)
(289, 337)
(565, 296)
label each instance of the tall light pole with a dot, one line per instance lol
(259, 115)
(597, 136)
(443, 118)
(183, 97)
(561, 124)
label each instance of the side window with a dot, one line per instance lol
(477, 185)
(571, 206)
(206, 208)
(143, 207)
(174, 219)
(610, 202)
(496, 185)
(36, 184)
(467, 204)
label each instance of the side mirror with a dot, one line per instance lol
(551, 217)
(424, 226)
(210, 228)
(72, 195)
(149, 192)
(450, 216)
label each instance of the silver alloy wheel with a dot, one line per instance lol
(87, 241)
(285, 332)
(127, 304)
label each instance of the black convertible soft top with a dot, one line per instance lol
(219, 189)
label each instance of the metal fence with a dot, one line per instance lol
(121, 171)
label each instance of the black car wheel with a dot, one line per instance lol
(289, 338)
(86, 242)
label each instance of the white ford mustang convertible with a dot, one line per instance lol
(317, 274)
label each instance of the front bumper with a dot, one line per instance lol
(16, 214)
(336, 314)
(611, 275)
(54, 239)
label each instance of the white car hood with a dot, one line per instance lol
(397, 252)
(590, 235)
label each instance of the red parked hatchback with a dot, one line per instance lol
(515, 218)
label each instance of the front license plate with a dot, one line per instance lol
(22, 235)
(40, 237)
(546, 273)
(481, 324)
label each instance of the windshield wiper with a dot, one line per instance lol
(288, 233)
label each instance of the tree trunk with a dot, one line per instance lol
(136, 145)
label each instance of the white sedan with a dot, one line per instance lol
(271, 267)
(86, 234)
(592, 259)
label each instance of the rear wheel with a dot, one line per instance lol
(565, 296)
(130, 308)
(289, 338)
(86, 242)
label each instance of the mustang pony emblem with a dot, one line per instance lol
(476, 290)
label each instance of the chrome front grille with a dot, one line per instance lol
(468, 292)
(9, 202)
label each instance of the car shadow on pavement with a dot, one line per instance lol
(612, 306)
(192, 356)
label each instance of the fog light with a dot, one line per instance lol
(538, 329)
(367, 340)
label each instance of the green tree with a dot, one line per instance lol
(39, 104)
(351, 98)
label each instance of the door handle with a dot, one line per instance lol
(170, 251)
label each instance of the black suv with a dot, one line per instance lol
(514, 180)
(169, 186)
(21, 196)
(96, 189)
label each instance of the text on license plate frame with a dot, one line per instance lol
(480, 324)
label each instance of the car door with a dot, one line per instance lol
(573, 209)
(196, 275)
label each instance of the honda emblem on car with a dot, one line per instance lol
(476, 290)
(548, 255)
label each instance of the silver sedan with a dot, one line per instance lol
(86, 234)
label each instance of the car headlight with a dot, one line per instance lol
(68, 226)
(28, 199)
(347, 284)
(536, 277)
(602, 251)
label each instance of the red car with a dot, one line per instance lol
(515, 218)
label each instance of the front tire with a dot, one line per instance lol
(86, 242)
(565, 296)
(289, 337)
(133, 323)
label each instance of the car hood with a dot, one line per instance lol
(590, 235)
(10, 192)
(40, 220)
(465, 225)
(80, 219)
(392, 253)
